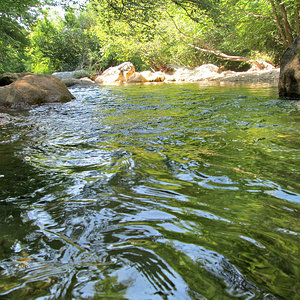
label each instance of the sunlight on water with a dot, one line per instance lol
(152, 192)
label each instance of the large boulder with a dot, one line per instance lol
(289, 78)
(146, 76)
(34, 89)
(8, 78)
(136, 78)
(116, 75)
(154, 77)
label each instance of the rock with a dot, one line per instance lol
(4, 119)
(269, 77)
(68, 75)
(73, 81)
(115, 75)
(86, 80)
(146, 76)
(8, 78)
(34, 89)
(170, 69)
(260, 65)
(73, 77)
(207, 68)
(289, 78)
(136, 78)
(206, 72)
(153, 77)
(181, 74)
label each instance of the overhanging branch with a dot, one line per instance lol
(205, 48)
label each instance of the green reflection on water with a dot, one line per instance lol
(176, 190)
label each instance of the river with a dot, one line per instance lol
(152, 192)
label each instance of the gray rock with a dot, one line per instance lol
(69, 75)
(82, 81)
(289, 78)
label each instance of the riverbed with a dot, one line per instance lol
(178, 191)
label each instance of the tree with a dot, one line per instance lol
(15, 18)
(63, 44)
(150, 44)
(286, 15)
(242, 29)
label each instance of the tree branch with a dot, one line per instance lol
(205, 48)
(222, 55)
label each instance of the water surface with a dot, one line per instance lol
(152, 192)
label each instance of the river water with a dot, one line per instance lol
(152, 192)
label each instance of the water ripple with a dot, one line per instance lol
(152, 192)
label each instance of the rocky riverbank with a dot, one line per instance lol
(269, 76)
(125, 73)
(206, 74)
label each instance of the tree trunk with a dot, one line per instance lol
(286, 24)
(279, 26)
(297, 17)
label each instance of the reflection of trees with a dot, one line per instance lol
(139, 264)
(109, 287)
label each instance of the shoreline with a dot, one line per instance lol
(264, 77)
(125, 74)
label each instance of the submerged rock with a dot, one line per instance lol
(34, 89)
(289, 78)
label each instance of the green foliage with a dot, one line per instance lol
(147, 33)
(62, 44)
(249, 30)
(165, 30)
(14, 17)
(81, 73)
(148, 45)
